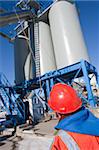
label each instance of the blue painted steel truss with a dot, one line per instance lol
(10, 103)
(67, 75)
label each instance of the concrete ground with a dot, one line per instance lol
(38, 138)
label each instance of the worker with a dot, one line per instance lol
(78, 128)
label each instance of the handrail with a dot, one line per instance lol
(16, 101)
(4, 80)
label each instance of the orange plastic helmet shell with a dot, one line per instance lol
(64, 99)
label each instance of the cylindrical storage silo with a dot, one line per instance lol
(66, 33)
(47, 59)
(28, 67)
(21, 55)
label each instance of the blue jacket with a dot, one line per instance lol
(83, 122)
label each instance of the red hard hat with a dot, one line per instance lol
(64, 99)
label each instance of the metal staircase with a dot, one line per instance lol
(5, 100)
(11, 102)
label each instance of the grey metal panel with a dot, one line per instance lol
(67, 36)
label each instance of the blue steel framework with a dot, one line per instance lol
(64, 75)
(67, 75)
(10, 103)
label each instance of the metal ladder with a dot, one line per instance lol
(37, 52)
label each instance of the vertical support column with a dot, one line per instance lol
(10, 102)
(32, 44)
(47, 92)
(97, 78)
(47, 88)
(51, 83)
(88, 86)
(33, 108)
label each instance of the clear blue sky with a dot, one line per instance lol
(89, 18)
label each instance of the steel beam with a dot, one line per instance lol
(13, 17)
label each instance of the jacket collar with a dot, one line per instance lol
(83, 122)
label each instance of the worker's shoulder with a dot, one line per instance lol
(83, 138)
(83, 141)
(75, 134)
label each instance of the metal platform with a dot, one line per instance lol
(15, 107)
(67, 75)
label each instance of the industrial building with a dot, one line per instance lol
(49, 48)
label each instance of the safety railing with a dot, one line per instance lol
(10, 99)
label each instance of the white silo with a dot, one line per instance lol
(66, 33)
(28, 67)
(47, 59)
(22, 59)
